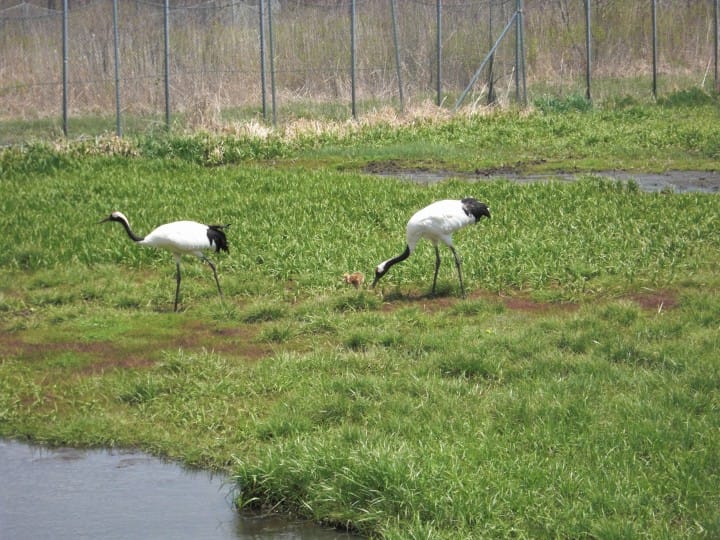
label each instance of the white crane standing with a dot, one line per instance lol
(180, 238)
(437, 222)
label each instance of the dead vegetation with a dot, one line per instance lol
(215, 59)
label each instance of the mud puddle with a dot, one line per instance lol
(669, 181)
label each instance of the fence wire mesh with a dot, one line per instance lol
(223, 63)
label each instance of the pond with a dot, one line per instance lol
(75, 494)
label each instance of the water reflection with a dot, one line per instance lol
(76, 494)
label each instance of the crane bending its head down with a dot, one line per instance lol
(437, 222)
(180, 238)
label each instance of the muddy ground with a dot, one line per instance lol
(668, 181)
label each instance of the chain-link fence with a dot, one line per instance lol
(88, 67)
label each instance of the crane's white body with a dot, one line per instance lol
(180, 238)
(437, 222)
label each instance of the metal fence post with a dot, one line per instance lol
(517, 51)
(263, 84)
(166, 29)
(438, 49)
(116, 45)
(65, 67)
(272, 62)
(654, 48)
(491, 73)
(353, 58)
(715, 43)
(588, 51)
(521, 25)
(397, 54)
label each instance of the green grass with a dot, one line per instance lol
(574, 393)
(298, 227)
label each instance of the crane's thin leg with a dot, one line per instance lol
(457, 265)
(437, 267)
(217, 281)
(177, 289)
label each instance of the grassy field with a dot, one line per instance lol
(574, 393)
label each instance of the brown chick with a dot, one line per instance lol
(355, 279)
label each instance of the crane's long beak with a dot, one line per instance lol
(104, 220)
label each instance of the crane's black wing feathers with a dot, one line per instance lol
(475, 208)
(216, 235)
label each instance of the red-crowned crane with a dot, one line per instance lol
(437, 222)
(180, 238)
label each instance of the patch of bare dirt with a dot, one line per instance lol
(533, 306)
(650, 300)
(197, 336)
(656, 300)
(432, 304)
(236, 341)
(426, 303)
(106, 354)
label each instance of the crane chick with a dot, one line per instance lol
(180, 238)
(437, 222)
(355, 279)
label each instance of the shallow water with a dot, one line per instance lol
(673, 181)
(79, 494)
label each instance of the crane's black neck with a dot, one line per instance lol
(134, 237)
(381, 270)
(400, 258)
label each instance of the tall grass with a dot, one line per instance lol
(309, 227)
(578, 235)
